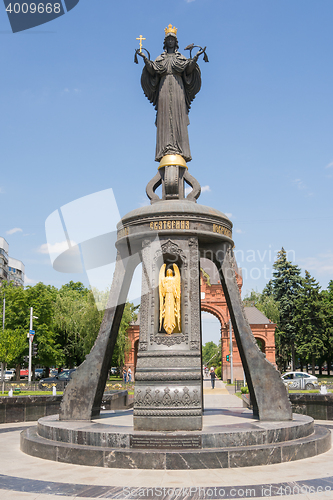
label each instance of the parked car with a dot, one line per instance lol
(299, 380)
(9, 375)
(24, 373)
(39, 373)
(60, 380)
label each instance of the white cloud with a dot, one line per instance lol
(228, 214)
(68, 91)
(302, 187)
(239, 231)
(14, 230)
(189, 1)
(299, 184)
(188, 189)
(144, 202)
(321, 264)
(1, 190)
(329, 166)
(57, 248)
(43, 248)
(205, 189)
(28, 281)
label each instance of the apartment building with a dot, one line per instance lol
(11, 270)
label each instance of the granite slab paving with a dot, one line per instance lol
(215, 391)
(219, 397)
(23, 477)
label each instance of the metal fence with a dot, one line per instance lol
(24, 385)
(238, 385)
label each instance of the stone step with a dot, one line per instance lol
(199, 458)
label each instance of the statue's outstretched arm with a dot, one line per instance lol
(149, 64)
(191, 65)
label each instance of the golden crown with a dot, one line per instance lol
(170, 29)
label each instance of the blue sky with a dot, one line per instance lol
(74, 121)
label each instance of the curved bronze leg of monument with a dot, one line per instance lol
(268, 394)
(83, 395)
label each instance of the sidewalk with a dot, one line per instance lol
(220, 388)
(23, 477)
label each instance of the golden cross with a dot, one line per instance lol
(141, 38)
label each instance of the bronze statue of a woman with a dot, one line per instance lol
(171, 83)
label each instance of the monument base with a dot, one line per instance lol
(168, 424)
(228, 439)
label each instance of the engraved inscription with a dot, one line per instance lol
(169, 224)
(222, 230)
(174, 442)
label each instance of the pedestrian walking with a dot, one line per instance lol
(125, 375)
(129, 375)
(212, 377)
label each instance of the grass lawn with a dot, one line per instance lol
(32, 393)
(239, 394)
(314, 391)
(47, 393)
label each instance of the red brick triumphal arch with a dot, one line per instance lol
(213, 301)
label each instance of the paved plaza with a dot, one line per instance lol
(25, 477)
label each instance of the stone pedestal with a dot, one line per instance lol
(168, 393)
(113, 443)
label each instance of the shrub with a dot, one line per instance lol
(218, 372)
(244, 390)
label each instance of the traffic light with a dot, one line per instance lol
(26, 359)
(34, 350)
(228, 357)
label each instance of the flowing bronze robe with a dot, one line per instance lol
(171, 90)
(170, 291)
(170, 297)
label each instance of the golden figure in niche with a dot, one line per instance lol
(169, 288)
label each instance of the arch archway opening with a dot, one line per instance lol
(211, 344)
(261, 344)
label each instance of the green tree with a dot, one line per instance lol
(13, 343)
(211, 354)
(77, 286)
(284, 287)
(265, 303)
(309, 321)
(18, 303)
(91, 319)
(123, 345)
(77, 322)
(327, 296)
(17, 311)
(42, 299)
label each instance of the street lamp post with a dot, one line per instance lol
(31, 339)
(3, 327)
(231, 353)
